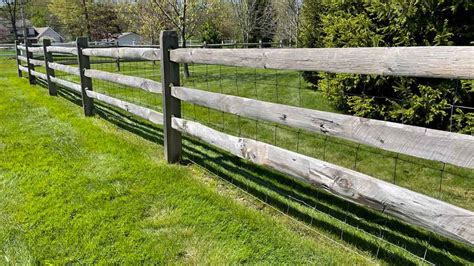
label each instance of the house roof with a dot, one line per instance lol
(42, 30)
(123, 34)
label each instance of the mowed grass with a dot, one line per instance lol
(81, 190)
(446, 182)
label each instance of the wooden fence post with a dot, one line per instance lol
(171, 105)
(86, 82)
(260, 44)
(31, 78)
(18, 62)
(48, 57)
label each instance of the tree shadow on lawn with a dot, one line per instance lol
(358, 225)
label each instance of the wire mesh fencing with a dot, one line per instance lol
(376, 233)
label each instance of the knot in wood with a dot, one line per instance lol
(344, 183)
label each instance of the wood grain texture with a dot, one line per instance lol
(171, 106)
(412, 207)
(32, 61)
(435, 62)
(143, 112)
(22, 68)
(37, 62)
(47, 58)
(18, 62)
(67, 84)
(39, 75)
(136, 82)
(37, 50)
(125, 53)
(62, 50)
(29, 55)
(64, 68)
(453, 148)
(83, 63)
(22, 58)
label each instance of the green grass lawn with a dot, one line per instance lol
(371, 233)
(76, 189)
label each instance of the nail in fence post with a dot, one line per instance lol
(18, 62)
(171, 105)
(29, 55)
(48, 57)
(86, 83)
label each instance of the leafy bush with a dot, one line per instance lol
(210, 33)
(417, 101)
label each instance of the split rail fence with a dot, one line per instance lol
(433, 62)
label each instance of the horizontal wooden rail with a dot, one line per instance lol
(62, 50)
(74, 62)
(453, 148)
(32, 61)
(38, 50)
(125, 53)
(64, 68)
(148, 114)
(136, 82)
(412, 207)
(37, 62)
(453, 62)
(21, 47)
(22, 58)
(67, 84)
(22, 68)
(39, 75)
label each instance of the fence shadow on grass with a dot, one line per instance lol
(365, 229)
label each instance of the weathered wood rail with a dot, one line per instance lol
(143, 112)
(125, 53)
(453, 148)
(433, 62)
(62, 50)
(64, 68)
(136, 82)
(412, 207)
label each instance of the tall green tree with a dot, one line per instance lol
(184, 16)
(143, 18)
(255, 18)
(104, 21)
(38, 13)
(73, 16)
(95, 19)
(357, 23)
(9, 10)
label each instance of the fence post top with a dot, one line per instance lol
(168, 33)
(46, 41)
(83, 41)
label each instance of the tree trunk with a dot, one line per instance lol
(13, 22)
(86, 14)
(183, 44)
(12, 13)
